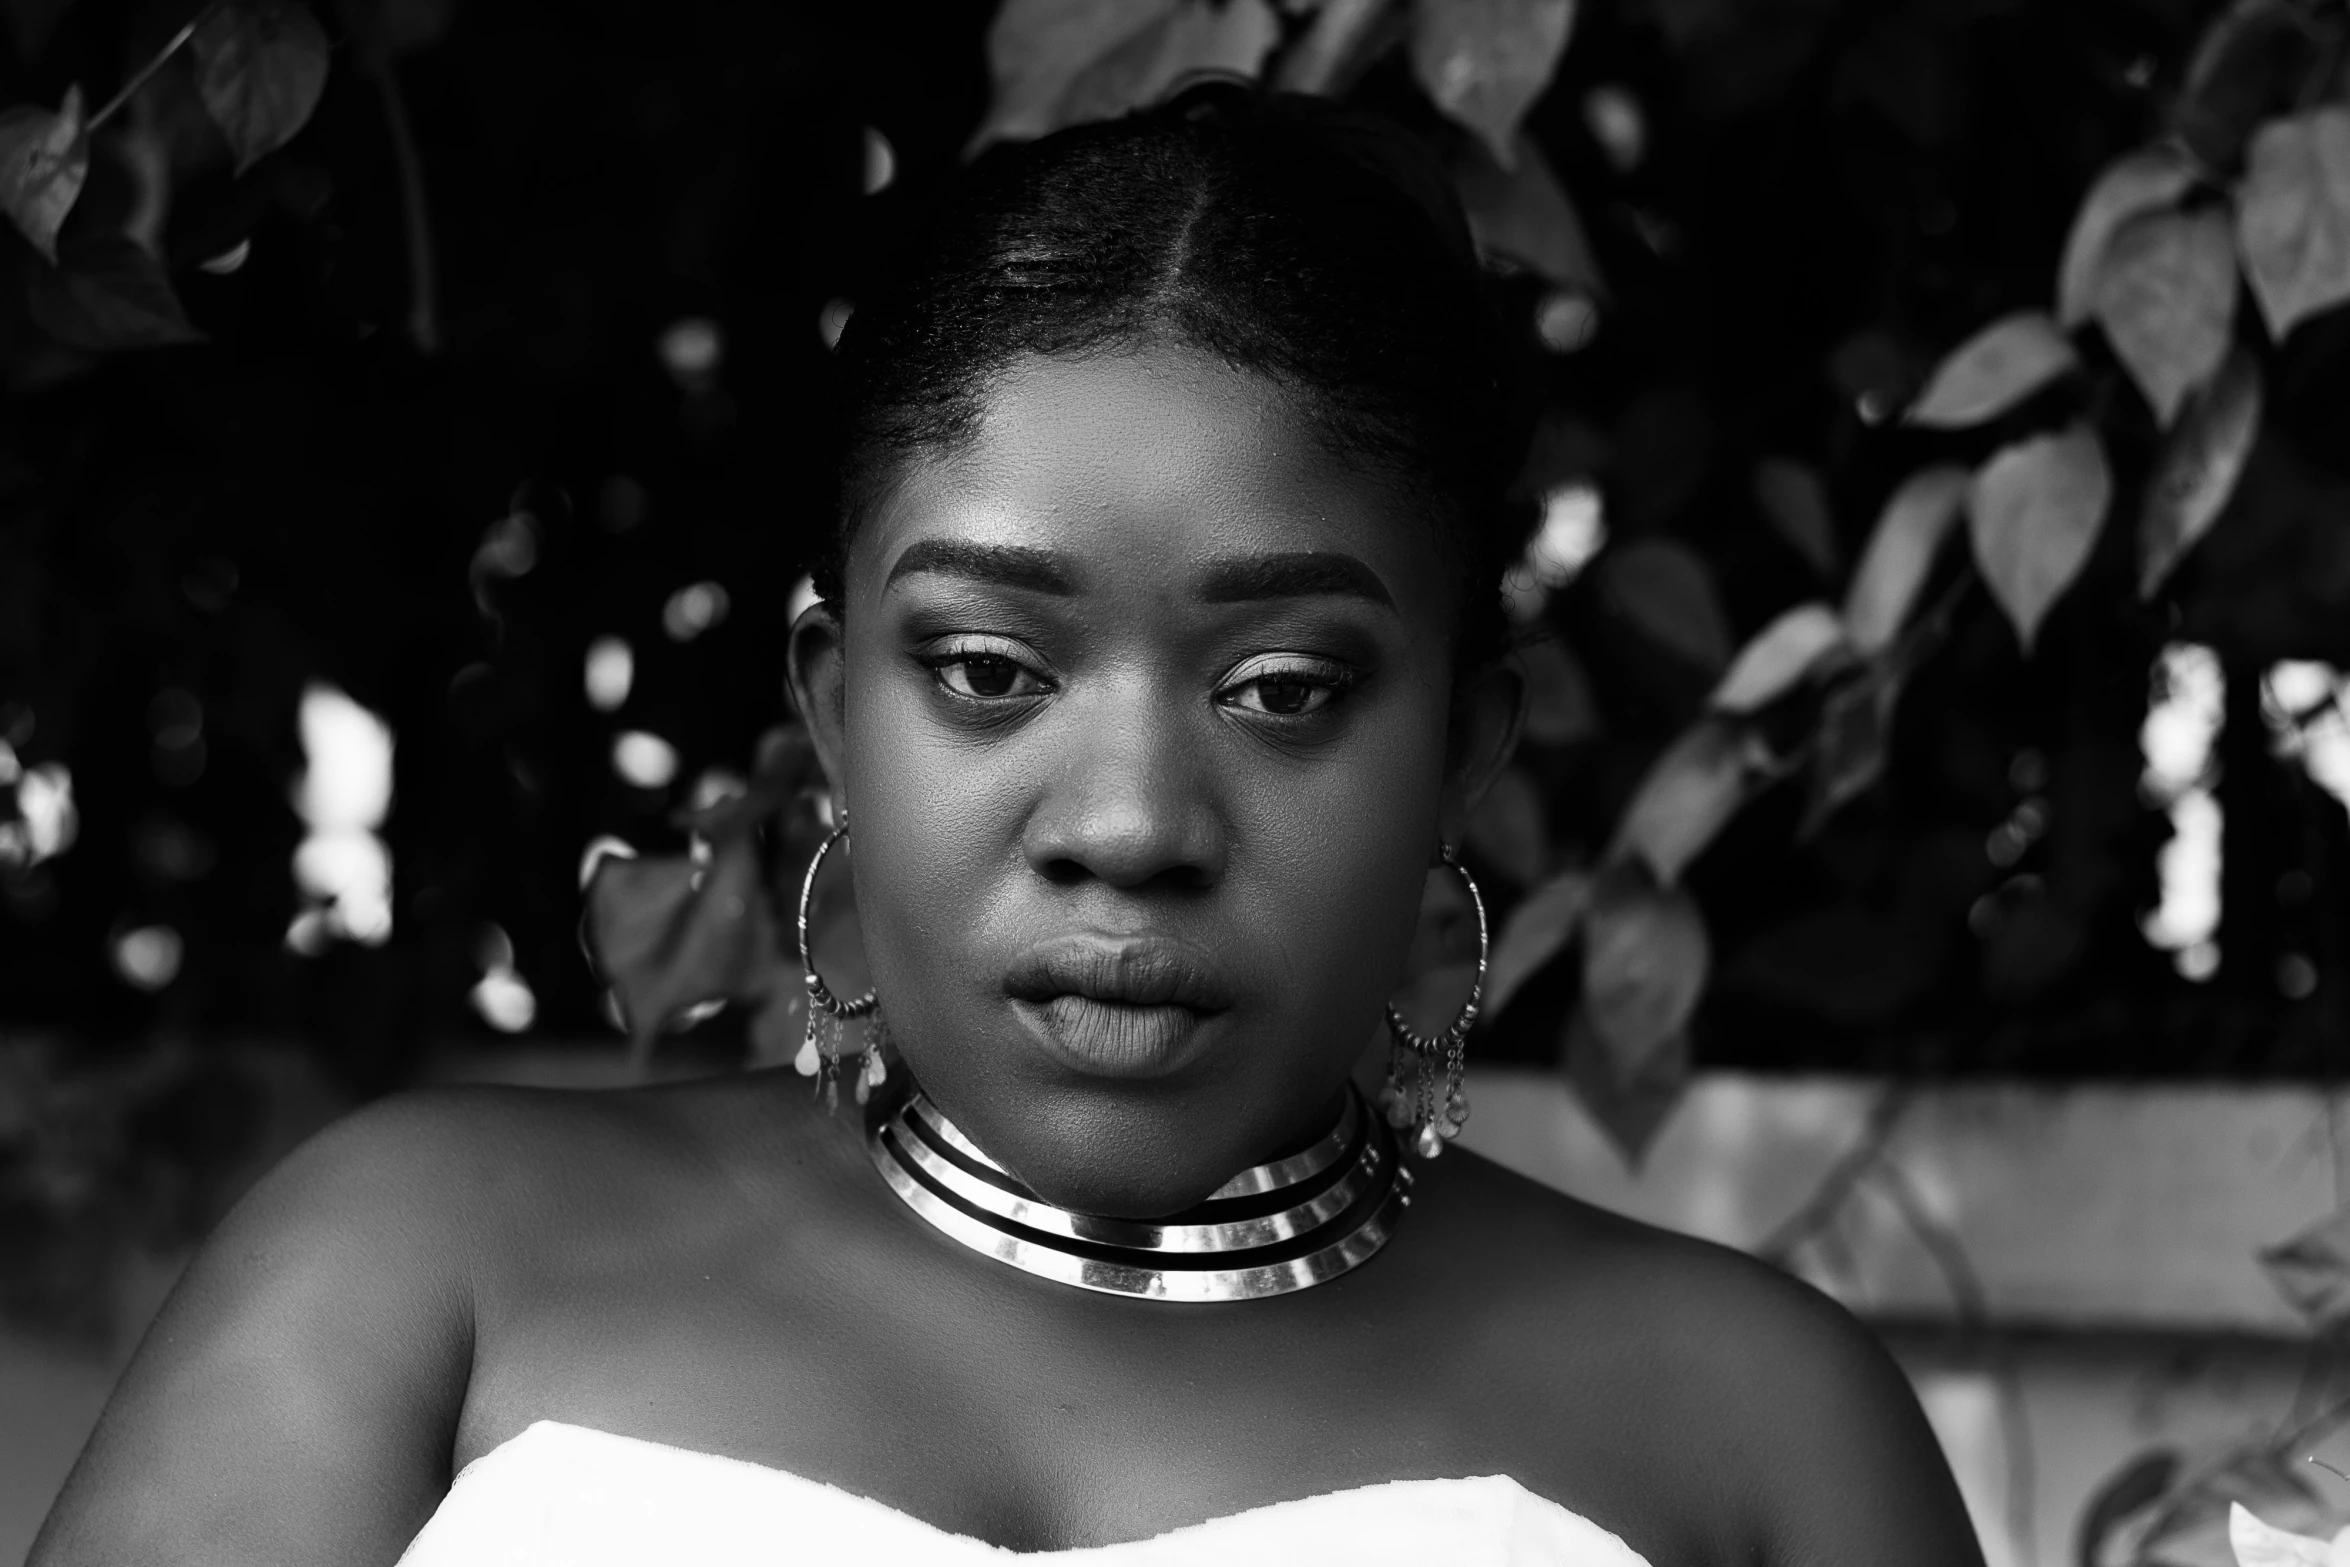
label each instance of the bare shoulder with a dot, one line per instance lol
(304, 1381)
(1791, 1410)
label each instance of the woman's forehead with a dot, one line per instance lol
(1160, 460)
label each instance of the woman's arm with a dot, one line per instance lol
(296, 1398)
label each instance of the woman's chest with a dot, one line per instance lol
(1034, 1416)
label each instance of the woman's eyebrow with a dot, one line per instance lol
(1003, 565)
(1305, 574)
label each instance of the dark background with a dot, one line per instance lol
(1829, 194)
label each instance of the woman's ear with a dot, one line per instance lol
(818, 679)
(1488, 711)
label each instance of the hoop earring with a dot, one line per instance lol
(828, 1015)
(1410, 1096)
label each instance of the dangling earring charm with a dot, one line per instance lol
(828, 1015)
(1413, 1096)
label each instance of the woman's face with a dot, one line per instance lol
(1140, 708)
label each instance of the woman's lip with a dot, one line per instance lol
(1118, 1006)
(1117, 1039)
(1125, 971)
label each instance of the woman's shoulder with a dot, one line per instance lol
(1697, 1305)
(1708, 1357)
(1556, 1240)
(476, 1165)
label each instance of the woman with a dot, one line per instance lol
(1157, 664)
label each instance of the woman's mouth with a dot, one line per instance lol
(1118, 1006)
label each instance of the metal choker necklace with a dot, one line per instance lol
(1270, 1230)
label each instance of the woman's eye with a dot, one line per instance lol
(1283, 693)
(985, 676)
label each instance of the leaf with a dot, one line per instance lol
(1855, 733)
(657, 929)
(2141, 182)
(1631, 1107)
(260, 67)
(1229, 39)
(2034, 510)
(1560, 709)
(2253, 57)
(673, 934)
(1346, 36)
(1793, 497)
(106, 293)
(1036, 48)
(2312, 1271)
(1645, 960)
(2293, 216)
(1692, 789)
(1780, 655)
(1484, 62)
(1065, 62)
(1538, 930)
(1522, 213)
(2198, 469)
(1993, 371)
(44, 158)
(2167, 300)
(1664, 589)
(2137, 1486)
(1900, 556)
(1510, 829)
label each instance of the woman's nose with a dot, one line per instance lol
(1130, 803)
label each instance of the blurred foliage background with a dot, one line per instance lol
(409, 450)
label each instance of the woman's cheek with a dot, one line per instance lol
(921, 821)
(1345, 888)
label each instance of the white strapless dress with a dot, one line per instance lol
(566, 1496)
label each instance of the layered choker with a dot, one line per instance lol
(1270, 1230)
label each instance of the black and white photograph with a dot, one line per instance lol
(1175, 783)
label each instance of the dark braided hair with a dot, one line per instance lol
(1311, 245)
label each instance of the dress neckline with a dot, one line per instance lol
(558, 1447)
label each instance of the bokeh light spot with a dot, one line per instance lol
(691, 351)
(2296, 976)
(509, 547)
(715, 786)
(881, 162)
(2178, 738)
(2303, 703)
(1566, 321)
(148, 958)
(502, 996)
(610, 673)
(694, 609)
(1573, 530)
(44, 803)
(833, 320)
(1616, 122)
(343, 796)
(230, 260)
(645, 760)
